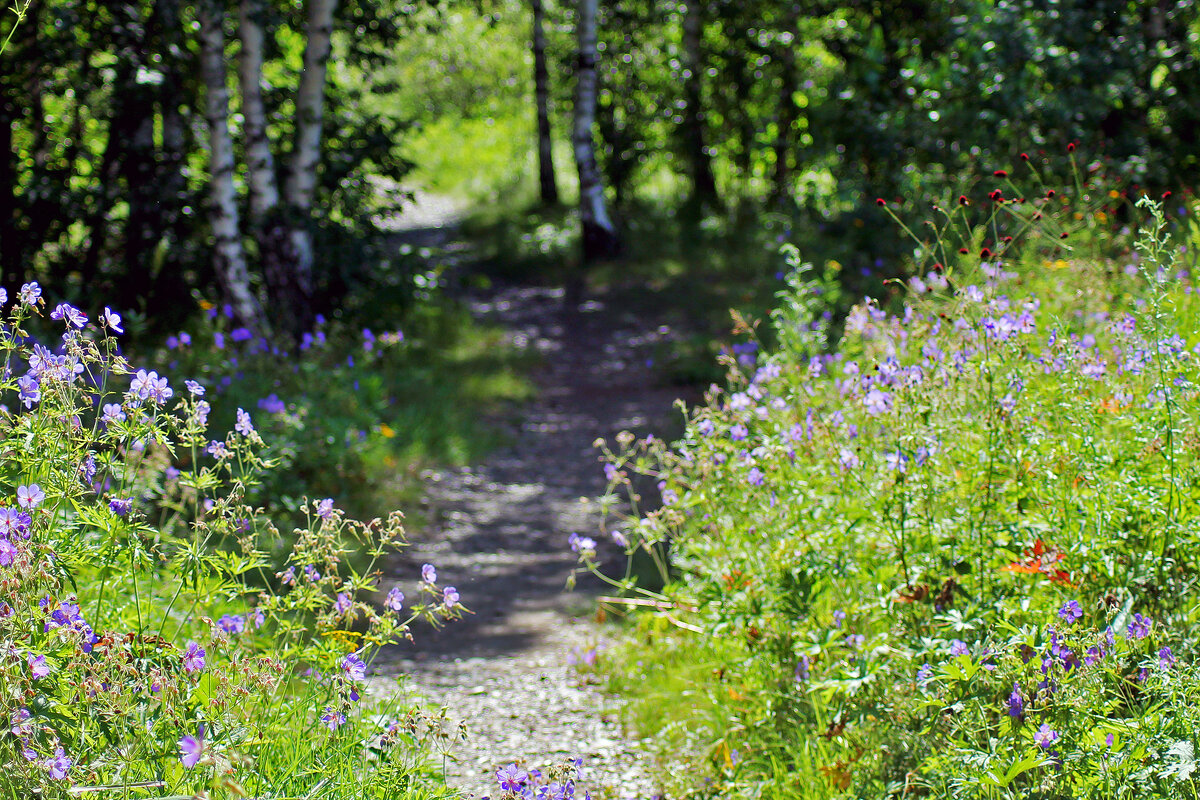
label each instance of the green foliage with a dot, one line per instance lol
(148, 644)
(869, 546)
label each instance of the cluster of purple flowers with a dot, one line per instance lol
(517, 782)
(67, 617)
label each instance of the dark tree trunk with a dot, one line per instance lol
(12, 269)
(541, 83)
(789, 114)
(704, 184)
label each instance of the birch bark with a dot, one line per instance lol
(599, 233)
(260, 164)
(229, 259)
(306, 154)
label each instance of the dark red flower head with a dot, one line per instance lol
(985, 253)
(1000, 174)
(879, 201)
(963, 201)
(996, 195)
(1166, 195)
(963, 250)
(1071, 147)
(1062, 235)
(1050, 193)
(1024, 156)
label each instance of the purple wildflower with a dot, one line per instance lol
(59, 765)
(959, 648)
(428, 573)
(755, 477)
(193, 658)
(581, 544)
(1070, 612)
(1045, 736)
(68, 312)
(325, 508)
(194, 388)
(333, 719)
(1166, 658)
(232, 623)
(38, 666)
(342, 605)
(877, 402)
(121, 505)
(1016, 703)
(511, 778)
(191, 748)
(924, 674)
(113, 320)
(1139, 627)
(354, 667)
(30, 293)
(243, 426)
(30, 496)
(30, 390)
(395, 599)
(450, 596)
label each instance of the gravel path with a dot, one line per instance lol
(498, 532)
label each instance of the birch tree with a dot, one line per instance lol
(290, 298)
(229, 258)
(306, 153)
(599, 233)
(541, 82)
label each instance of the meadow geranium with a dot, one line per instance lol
(243, 425)
(193, 658)
(38, 666)
(394, 600)
(30, 496)
(450, 597)
(511, 778)
(1045, 736)
(191, 748)
(428, 573)
(1016, 703)
(58, 765)
(1070, 612)
(1139, 627)
(354, 667)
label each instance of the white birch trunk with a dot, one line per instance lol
(599, 233)
(228, 256)
(306, 155)
(260, 164)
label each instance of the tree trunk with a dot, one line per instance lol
(599, 233)
(229, 259)
(12, 268)
(704, 185)
(541, 82)
(306, 154)
(789, 113)
(290, 306)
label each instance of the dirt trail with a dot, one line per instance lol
(498, 532)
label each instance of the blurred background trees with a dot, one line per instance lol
(715, 109)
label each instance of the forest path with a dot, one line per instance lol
(498, 531)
